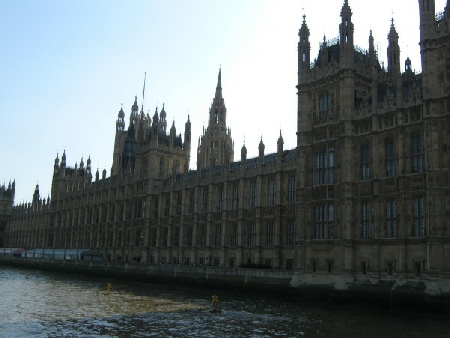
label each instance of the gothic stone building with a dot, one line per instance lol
(365, 192)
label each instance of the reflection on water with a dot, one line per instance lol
(40, 304)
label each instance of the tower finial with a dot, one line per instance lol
(219, 79)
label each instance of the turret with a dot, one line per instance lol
(280, 143)
(118, 141)
(162, 121)
(63, 160)
(88, 170)
(261, 151)
(173, 134)
(120, 123)
(155, 128)
(243, 153)
(347, 62)
(346, 30)
(88, 166)
(304, 50)
(56, 165)
(373, 64)
(393, 54)
(187, 143)
(36, 196)
(134, 117)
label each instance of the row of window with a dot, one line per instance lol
(235, 202)
(324, 219)
(324, 161)
(233, 236)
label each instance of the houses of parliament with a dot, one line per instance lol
(364, 192)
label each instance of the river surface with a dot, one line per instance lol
(42, 304)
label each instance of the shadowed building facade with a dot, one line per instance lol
(364, 193)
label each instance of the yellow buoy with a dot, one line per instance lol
(215, 303)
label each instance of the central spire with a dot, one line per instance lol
(219, 84)
(215, 145)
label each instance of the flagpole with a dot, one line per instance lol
(143, 91)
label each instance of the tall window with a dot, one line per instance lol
(417, 154)
(391, 219)
(218, 235)
(366, 217)
(176, 236)
(419, 217)
(205, 201)
(271, 193)
(162, 166)
(189, 235)
(252, 198)
(155, 208)
(234, 234)
(390, 157)
(202, 236)
(167, 207)
(270, 233)
(235, 201)
(324, 219)
(251, 233)
(292, 194)
(365, 162)
(191, 201)
(164, 239)
(220, 199)
(291, 231)
(153, 239)
(179, 203)
(324, 166)
(324, 105)
(139, 210)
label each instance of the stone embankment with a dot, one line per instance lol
(387, 291)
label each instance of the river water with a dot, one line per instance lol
(42, 304)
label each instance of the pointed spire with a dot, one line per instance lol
(346, 26)
(280, 143)
(304, 27)
(393, 52)
(219, 84)
(219, 78)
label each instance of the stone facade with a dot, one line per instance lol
(6, 206)
(364, 193)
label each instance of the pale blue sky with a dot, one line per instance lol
(67, 66)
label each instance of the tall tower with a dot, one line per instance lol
(187, 143)
(215, 145)
(347, 62)
(304, 57)
(427, 20)
(118, 143)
